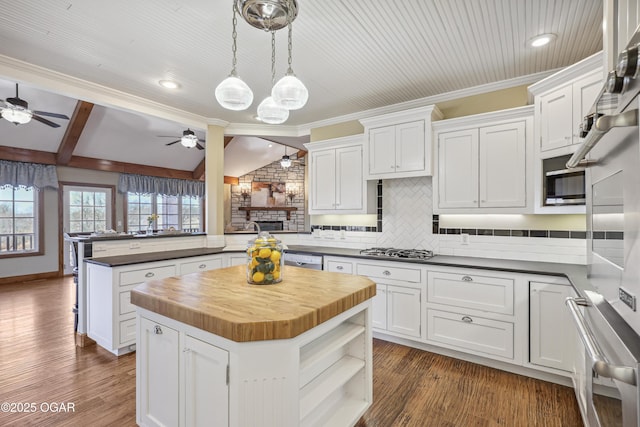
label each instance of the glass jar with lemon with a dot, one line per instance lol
(264, 260)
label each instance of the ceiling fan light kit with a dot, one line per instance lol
(289, 93)
(16, 115)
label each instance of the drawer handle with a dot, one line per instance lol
(386, 273)
(157, 330)
(467, 319)
(339, 267)
(467, 278)
(202, 266)
(149, 274)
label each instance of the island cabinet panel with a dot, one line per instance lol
(157, 375)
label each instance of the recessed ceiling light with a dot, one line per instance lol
(270, 145)
(542, 40)
(169, 84)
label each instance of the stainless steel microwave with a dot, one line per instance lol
(564, 187)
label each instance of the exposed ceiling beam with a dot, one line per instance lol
(74, 130)
(301, 154)
(231, 180)
(25, 155)
(227, 140)
(198, 172)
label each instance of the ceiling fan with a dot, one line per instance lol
(188, 139)
(17, 111)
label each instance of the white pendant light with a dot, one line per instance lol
(17, 116)
(290, 92)
(233, 93)
(269, 111)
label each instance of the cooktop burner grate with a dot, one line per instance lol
(398, 253)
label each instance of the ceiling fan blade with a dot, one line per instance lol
(45, 121)
(167, 136)
(200, 147)
(173, 142)
(201, 140)
(56, 115)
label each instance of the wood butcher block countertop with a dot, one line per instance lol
(223, 303)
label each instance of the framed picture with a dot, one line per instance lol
(268, 194)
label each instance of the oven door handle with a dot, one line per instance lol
(603, 368)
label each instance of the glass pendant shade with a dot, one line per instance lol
(290, 92)
(234, 94)
(272, 113)
(17, 116)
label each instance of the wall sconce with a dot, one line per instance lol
(291, 195)
(244, 191)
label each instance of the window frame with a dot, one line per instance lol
(38, 232)
(154, 210)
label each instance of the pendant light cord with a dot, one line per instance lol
(273, 58)
(289, 46)
(234, 47)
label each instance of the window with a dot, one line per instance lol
(180, 212)
(20, 228)
(87, 211)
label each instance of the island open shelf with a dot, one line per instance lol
(298, 353)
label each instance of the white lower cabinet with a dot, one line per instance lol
(552, 342)
(111, 318)
(492, 337)
(404, 308)
(379, 317)
(165, 368)
(235, 258)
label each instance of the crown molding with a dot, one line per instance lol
(484, 118)
(256, 129)
(565, 75)
(74, 87)
(430, 100)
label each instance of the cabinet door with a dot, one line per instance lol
(350, 181)
(158, 372)
(556, 118)
(503, 162)
(206, 387)
(403, 310)
(382, 150)
(458, 169)
(410, 155)
(323, 179)
(202, 264)
(379, 307)
(552, 340)
(585, 92)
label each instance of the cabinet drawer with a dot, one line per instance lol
(384, 272)
(485, 293)
(471, 332)
(340, 266)
(142, 275)
(128, 331)
(125, 300)
(201, 265)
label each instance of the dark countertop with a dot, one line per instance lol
(577, 274)
(124, 236)
(129, 259)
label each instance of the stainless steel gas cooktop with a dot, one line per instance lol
(398, 253)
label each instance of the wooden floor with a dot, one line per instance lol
(40, 365)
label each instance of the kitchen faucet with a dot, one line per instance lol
(246, 227)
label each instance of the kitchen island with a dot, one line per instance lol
(214, 350)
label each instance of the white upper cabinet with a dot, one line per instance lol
(561, 102)
(336, 178)
(398, 145)
(483, 163)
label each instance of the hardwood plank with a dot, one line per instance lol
(74, 130)
(40, 363)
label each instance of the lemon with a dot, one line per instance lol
(276, 274)
(272, 242)
(264, 253)
(251, 250)
(275, 256)
(258, 277)
(253, 263)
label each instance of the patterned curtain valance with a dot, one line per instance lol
(167, 186)
(18, 174)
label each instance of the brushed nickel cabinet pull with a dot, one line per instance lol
(339, 267)
(467, 319)
(386, 273)
(157, 330)
(149, 274)
(202, 266)
(467, 278)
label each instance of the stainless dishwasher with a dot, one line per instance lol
(302, 260)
